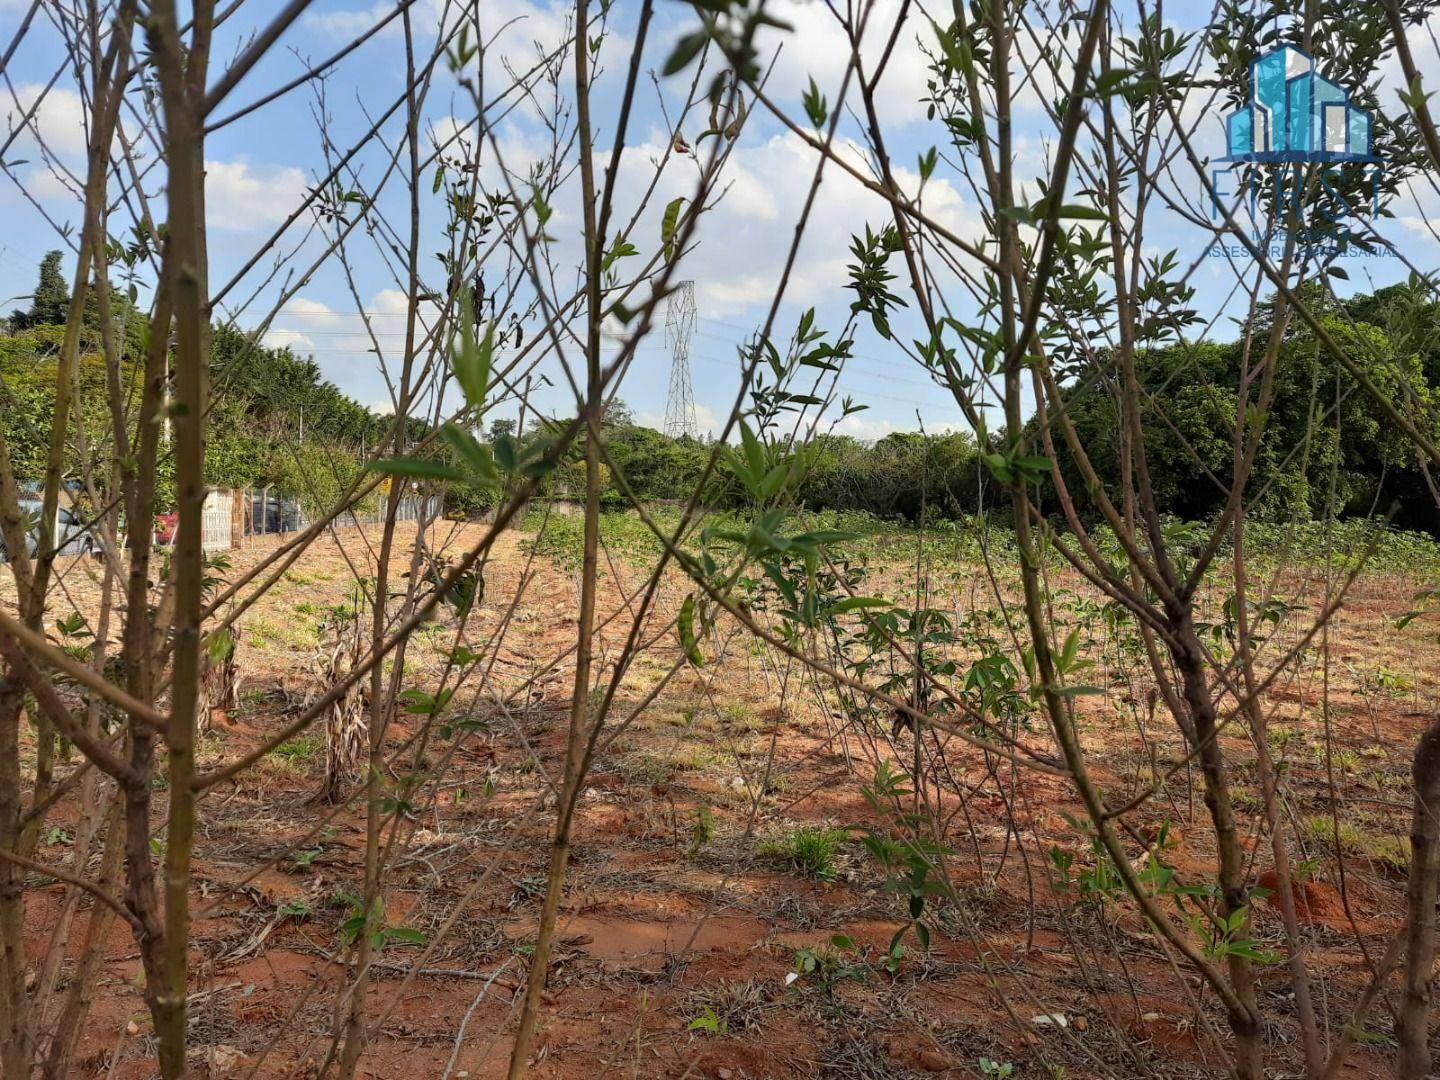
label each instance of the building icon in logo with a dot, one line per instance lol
(1295, 114)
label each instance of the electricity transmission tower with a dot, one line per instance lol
(679, 330)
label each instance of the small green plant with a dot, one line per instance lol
(1385, 682)
(1279, 737)
(777, 784)
(298, 750)
(1225, 938)
(829, 965)
(709, 1023)
(694, 757)
(1346, 834)
(702, 829)
(1346, 761)
(381, 933)
(727, 1009)
(297, 908)
(1245, 800)
(651, 770)
(809, 849)
(995, 1070)
(1367, 1036)
(906, 859)
(1391, 852)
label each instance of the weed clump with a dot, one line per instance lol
(810, 849)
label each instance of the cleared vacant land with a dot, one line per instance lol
(725, 916)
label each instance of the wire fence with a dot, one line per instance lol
(230, 518)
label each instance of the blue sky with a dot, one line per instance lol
(260, 167)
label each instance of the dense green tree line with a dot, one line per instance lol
(1326, 444)
(277, 422)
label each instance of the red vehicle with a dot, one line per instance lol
(165, 525)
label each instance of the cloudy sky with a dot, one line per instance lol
(260, 168)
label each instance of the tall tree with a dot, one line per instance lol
(51, 298)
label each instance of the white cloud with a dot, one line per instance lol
(45, 183)
(303, 321)
(520, 21)
(60, 120)
(1421, 38)
(743, 244)
(294, 340)
(340, 344)
(1417, 211)
(818, 48)
(240, 196)
(861, 426)
(350, 23)
(515, 35)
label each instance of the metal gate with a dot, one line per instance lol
(215, 521)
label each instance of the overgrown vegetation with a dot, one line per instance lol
(1092, 732)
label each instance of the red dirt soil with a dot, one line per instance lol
(663, 932)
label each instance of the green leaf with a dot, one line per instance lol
(668, 224)
(927, 163)
(1075, 210)
(1416, 96)
(471, 358)
(1106, 82)
(958, 53)
(754, 450)
(1022, 214)
(477, 457)
(999, 467)
(620, 249)
(816, 107)
(1071, 648)
(685, 626)
(417, 702)
(506, 454)
(686, 49)
(1032, 470)
(826, 536)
